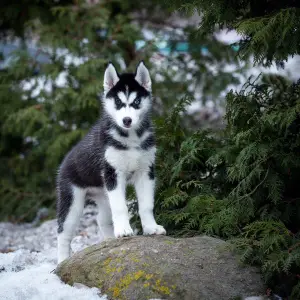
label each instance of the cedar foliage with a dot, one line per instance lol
(244, 186)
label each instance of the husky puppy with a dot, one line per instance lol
(119, 149)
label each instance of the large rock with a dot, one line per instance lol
(141, 268)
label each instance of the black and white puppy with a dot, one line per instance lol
(119, 149)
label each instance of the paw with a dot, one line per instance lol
(155, 229)
(121, 230)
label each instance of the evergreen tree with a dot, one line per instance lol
(242, 184)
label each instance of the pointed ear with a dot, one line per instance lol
(110, 77)
(142, 76)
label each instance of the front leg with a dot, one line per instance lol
(115, 184)
(144, 186)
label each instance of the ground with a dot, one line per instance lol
(28, 257)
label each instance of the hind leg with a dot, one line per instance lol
(104, 217)
(69, 210)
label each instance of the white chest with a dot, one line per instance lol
(130, 160)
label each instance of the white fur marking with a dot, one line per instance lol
(110, 78)
(119, 209)
(145, 193)
(75, 211)
(122, 97)
(130, 160)
(104, 218)
(132, 97)
(143, 76)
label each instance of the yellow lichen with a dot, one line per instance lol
(150, 281)
(111, 265)
(107, 261)
(125, 282)
(148, 276)
(135, 259)
(116, 292)
(109, 270)
(169, 242)
(118, 260)
(161, 288)
(139, 274)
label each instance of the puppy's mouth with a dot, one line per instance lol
(127, 126)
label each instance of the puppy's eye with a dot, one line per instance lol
(118, 102)
(137, 101)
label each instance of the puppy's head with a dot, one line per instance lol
(127, 97)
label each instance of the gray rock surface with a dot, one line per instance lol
(160, 267)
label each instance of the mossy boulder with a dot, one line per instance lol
(141, 268)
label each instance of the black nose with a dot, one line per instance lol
(127, 121)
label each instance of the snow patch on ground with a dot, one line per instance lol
(28, 257)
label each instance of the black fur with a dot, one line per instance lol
(136, 103)
(65, 196)
(127, 79)
(151, 172)
(146, 125)
(110, 177)
(119, 104)
(121, 131)
(116, 144)
(148, 143)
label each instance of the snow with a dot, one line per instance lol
(28, 257)
(37, 282)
